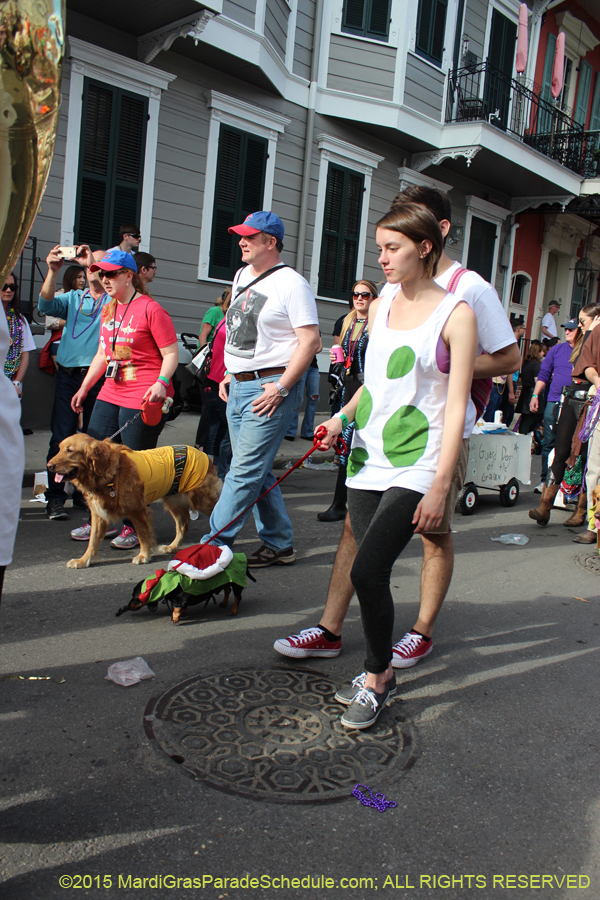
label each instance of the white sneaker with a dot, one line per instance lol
(83, 532)
(540, 488)
(126, 540)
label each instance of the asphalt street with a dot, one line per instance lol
(502, 792)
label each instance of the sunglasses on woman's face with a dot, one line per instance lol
(8, 287)
(362, 294)
(112, 274)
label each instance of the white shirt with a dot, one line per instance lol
(549, 323)
(12, 453)
(28, 341)
(260, 322)
(494, 330)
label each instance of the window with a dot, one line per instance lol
(520, 290)
(111, 163)
(240, 182)
(240, 172)
(341, 230)
(135, 81)
(431, 29)
(367, 18)
(482, 247)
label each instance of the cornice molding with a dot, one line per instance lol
(335, 150)
(579, 39)
(409, 176)
(420, 161)
(222, 105)
(89, 59)
(151, 44)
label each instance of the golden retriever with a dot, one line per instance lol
(111, 477)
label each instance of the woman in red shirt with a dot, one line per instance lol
(138, 353)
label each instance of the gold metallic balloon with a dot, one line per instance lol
(31, 52)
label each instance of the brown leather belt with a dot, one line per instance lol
(260, 373)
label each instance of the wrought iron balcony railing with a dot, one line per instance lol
(482, 93)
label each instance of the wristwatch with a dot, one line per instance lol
(19, 384)
(283, 392)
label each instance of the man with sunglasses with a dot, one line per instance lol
(129, 238)
(81, 311)
(146, 267)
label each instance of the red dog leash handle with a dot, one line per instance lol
(340, 448)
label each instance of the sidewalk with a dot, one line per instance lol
(181, 431)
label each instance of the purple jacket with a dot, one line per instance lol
(556, 370)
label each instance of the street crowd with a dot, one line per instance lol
(414, 366)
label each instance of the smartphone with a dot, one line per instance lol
(68, 252)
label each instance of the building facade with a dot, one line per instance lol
(187, 116)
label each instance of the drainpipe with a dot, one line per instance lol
(310, 130)
(507, 277)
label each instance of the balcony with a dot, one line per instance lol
(482, 93)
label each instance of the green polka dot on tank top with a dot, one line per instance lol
(400, 362)
(356, 461)
(365, 407)
(405, 436)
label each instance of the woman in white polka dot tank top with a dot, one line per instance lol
(410, 418)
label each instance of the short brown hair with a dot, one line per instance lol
(417, 224)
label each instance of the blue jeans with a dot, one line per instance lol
(549, 437)
(310, 379)
(255, 441)
(64, 421)
(108, 418)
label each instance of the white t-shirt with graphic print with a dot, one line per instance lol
(261, 320)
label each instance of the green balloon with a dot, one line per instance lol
(405, 436)
(356, 461)
(365, 408)
(400, 362)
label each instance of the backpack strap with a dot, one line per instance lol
(453, 283)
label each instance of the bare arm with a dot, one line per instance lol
(546, 333)
(461, 333)
(534, 403)
(308, 344)
(20, 373)
(592, 375)
(503, 362)
(170, 356)
(204, 333)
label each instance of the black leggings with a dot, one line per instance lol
(382, 526)
(564, 431)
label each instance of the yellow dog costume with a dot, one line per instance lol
(169, 470)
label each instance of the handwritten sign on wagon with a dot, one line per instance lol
(496, 458)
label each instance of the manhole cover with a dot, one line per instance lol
(275, 735)
(589, 563)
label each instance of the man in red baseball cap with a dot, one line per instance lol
(272, 334)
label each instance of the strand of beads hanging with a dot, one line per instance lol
(15, 329)
(93, 314)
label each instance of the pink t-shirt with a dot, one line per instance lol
(133, 337)
(217, 366)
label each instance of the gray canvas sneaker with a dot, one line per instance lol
(347, 694)
(365, 708)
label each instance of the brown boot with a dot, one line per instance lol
(542, 514)
(580, 514)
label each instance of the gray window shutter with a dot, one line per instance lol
(595, 117)
(583, 92)
(482, 247)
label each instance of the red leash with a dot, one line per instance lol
(340, 448)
